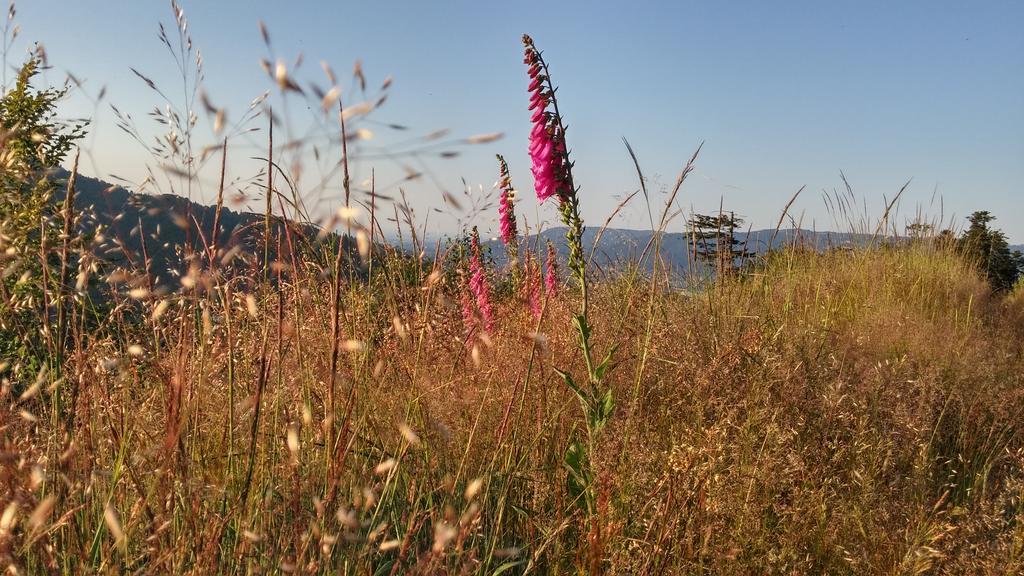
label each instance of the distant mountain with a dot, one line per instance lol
(163, 219)
(619, 246)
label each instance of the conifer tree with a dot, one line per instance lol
(989, 249)
(714, 241)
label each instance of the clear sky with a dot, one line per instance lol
(784, 94)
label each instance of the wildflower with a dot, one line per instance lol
(552, 176)
(547, 150)
(551, 275)
(552, 170)
(478, 283)
(468, 314)
(506, 211)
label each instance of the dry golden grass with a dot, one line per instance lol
(838, 412)
(846, 412)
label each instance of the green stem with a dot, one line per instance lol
(570, 209)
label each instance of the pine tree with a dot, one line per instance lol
(989, 249)
(714, 241)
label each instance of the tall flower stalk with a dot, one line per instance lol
(468, 311)
(552, 177)
(551, 272)
(506, 209)
(552, 169)
(507, 219)
(478, 284)
(475, 291)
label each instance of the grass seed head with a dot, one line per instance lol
(42, 512)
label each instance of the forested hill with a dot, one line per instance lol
(162, 218)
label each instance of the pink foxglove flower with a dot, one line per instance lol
(506, 209)
(478, 283)
(468, 314)
(551, 275)
(547, 153)
(552, 170)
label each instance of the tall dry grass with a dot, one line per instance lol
(845, 412)
(839, 411)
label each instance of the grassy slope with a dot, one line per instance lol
(848, 412)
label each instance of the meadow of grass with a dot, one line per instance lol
(305, 405)
(841, 412)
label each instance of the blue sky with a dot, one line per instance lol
(783, 94)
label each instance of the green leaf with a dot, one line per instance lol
(584, 398)
(577, 473)
(507, 566)
(575, 456)
(524, 512)
(582, 326)
(605, 364)
(602, 411)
